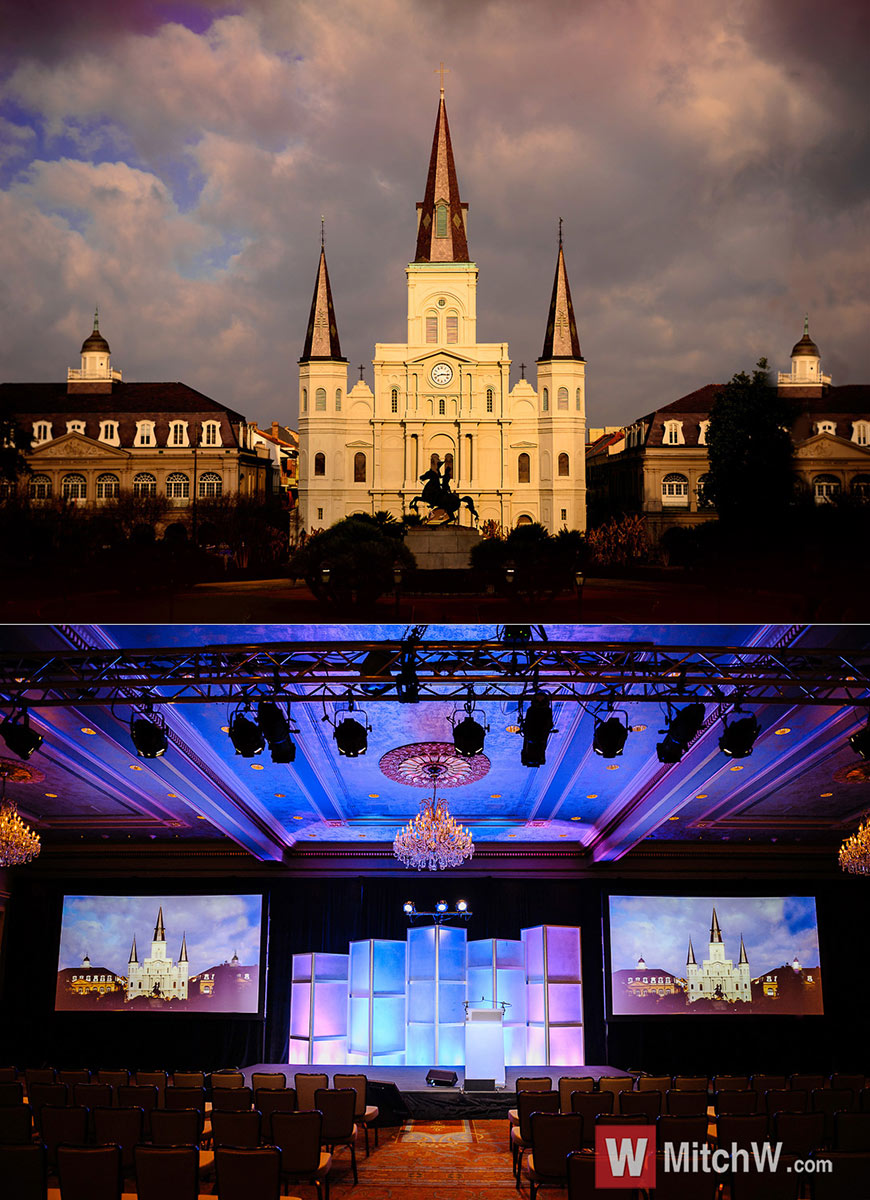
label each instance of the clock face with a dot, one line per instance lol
(441, 374)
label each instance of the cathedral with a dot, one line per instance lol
(442, 401)
(717, 978)
(157, 976)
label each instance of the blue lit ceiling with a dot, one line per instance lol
(802, 785)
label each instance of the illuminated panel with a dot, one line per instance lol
(553, 989)
(436, 996)
(496, 971)
(318, 1008)
(376, 1005)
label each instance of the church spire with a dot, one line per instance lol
(561, 340)
(690, 957)
(715, 932)
(134, 958)
(159, 931)
(321, 340)
(743, 958)
(183, 955)
(441, 216)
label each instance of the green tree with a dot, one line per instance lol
(751, 478)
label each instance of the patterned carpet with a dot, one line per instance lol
(432, 1160)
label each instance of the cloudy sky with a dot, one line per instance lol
(172, 162)
(774, 929)
(103, 927)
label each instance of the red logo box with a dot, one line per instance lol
(625, 1156)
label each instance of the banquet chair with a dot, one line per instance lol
(654, 1083)
(686, 1104)
(268, 1079)
(230, 1078)
(303, 1160)
(648, 1104)
(581, 1179)
(16, 1124)
(167, 1172)
(244, 1173)
(23, 1171)
(847, 1180)
(122, 1127)
(176, 1127)
(670, 1128)
(673, 1185)
(731, 1103)
(521, 1133)
(798, 1132)
(153, 1079)
(785, 1100)
(616, 1083)
(116, 1077)
(730, 1083)
(338, 1106)
(830, 1101)
(74, 1075)
(89, 1172)
(767, 1083)
(591, 1105)
(806, 1083)
(40, 1094)
(691, 1083)
(554, 1137)
(11, 1093)
(139, 1095)
(61, 1124)
(742, 1130)
(852, 1132)
(38, 1075)
(573, 1083)
(8, 1075)
(236, 1128)
(188, 1079)
(269, 1100)
(231, 1099)
(855, 1082)
(306, 1085)
(366, 1114)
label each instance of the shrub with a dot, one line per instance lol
(360, 555)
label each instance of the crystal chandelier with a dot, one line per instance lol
(855, 851)
(18, 843)
(433, 840)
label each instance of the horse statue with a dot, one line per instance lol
(444, 503)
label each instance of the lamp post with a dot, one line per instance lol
(397, 585)
(580, 580)
(325, 572)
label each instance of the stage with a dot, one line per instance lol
(402, 1092)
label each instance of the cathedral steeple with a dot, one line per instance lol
(715, 932)
(743, 958)
(690, 957)
(134, 958)
(183, 955)
(441, 233)
(561, 340)
(159, 931)
(321, 339)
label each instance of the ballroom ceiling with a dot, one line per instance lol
(802, 782)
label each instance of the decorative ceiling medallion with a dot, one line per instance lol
(411, 765)
(20, 772)
(855, 773)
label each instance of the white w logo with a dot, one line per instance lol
(626, 1152)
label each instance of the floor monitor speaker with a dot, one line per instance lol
(437, 1078)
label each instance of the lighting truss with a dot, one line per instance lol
(587, 672)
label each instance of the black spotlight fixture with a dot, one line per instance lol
(19, 737)
(148, 735)
(245, 733)
(468, 734)
(860, 741)
(276, 730)
(738, 738)
(610, 735)
(407, 684)
(351, 735)
(683, 727)
(536, 725)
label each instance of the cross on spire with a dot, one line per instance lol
(560, 231)
(440, 71)
(361, 369)
(322, 232)
(522, 370)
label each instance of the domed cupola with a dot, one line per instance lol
(806, 364)
(806, 346)
(96, 374)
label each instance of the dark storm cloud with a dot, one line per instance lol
(709, 161)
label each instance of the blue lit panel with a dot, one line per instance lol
(330, 1051)
(451, 1002)
(318, 1008)
(566, 1045)
(554, 995)
(300, 1009)
(563, 952)
(421, 1001)
(451, 1045)
(436, 995)
(377, 1002)
(565, 1004)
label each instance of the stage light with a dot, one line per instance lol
(738, 738)
(246, 735)
(351, 737)
(276, 730)
(441, 906)
(408, 908)
(148, 736)
(537, 725)
(468, 737)
(860, 741)
(609, 737)
(683, 727)
(19, 737)
(461, 905)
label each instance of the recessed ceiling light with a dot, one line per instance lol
(374, 795)
(563, 835)
(736, 768)
(312, 835)
(200, 817)
(638, 728)
(511, 728)
(298, 818)
(360, 835)
(825, 795)
(256, 766)
(512, 835)
(495, 796)
(673, 818)
(780, 732)
(576, 818)
(592, 796)
(279, 795)
(51, 795)
(87, 729)
(172, 795)
(701, 796)
(225, 728)
(136, 767)
(613, 767)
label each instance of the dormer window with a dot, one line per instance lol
(673, 434)
(75, 426)
(42, 431)
(703, 426)
(826, 427)
(178, 434)
(211, 433)
(144, 434)
(861, 433)
(109, 432)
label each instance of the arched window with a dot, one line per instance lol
(860, 486)
(144, 484)
(432, 328)
(675, 490)
(338, 399)
(442, 408)
(320, 400)
(108, 487)
(305, 399)
(441, 220)
(562, 400)
(394, 400)
(489, 400)
(448, 465)
(319, 464)
(210, 484)
(523, 468)
(545, 400)
(564, 465)
(578, 400)
(452, 329)
(177, 486)
(825, 488)
(73, 487)
(40, 487)
(359, 467)
(524, 519)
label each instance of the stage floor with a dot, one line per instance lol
(411, 1097)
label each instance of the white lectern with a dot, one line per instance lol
(484, 1044)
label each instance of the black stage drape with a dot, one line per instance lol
(327, 914)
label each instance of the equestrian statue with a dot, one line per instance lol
(444, 503)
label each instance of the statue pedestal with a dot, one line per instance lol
(442, 547)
